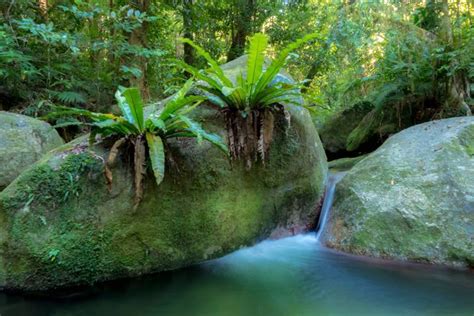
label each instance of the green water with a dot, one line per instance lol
(292, 276)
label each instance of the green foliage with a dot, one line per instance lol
(249, 100)
(388, 53)
(75, 56)
(259, 89)
(134, 127)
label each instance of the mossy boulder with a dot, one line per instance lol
(363, 127)
(412, 199)
(23, 140)
(60, 226)
(335, 131)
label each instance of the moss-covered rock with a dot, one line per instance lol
(362, 128)
(412, 199)
(23, 140)
(335, 131)
(344, 164)
(59, 225)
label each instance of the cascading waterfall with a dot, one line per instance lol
(333, 179)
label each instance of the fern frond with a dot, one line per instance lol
(256, 58)
(211, 61)
(70, 97)
(278, 63)
(195, 129)
(200, 75)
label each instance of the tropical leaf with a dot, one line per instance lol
(133, 105)
(175, 105)
(153, 123)
(64, 111)
(256, 58)
(184, 89)
(157, 156)
(228, 91)
(200, 75)
(130, 107)
(196, 129)
(216, 96)
(216, 69)
(276, 65)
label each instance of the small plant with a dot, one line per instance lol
(53, 254)
(133, 128)
(248, 103)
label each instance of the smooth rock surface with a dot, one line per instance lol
(59, 225)
(23, 140)
(412, 199)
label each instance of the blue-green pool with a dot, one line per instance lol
(291, 276)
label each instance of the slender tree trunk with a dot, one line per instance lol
(242, 27)
(187, 14)
(139, 37)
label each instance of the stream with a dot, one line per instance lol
(290, 276)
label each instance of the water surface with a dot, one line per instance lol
(291, 276)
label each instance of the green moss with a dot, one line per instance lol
(345, 163)
(45, 187)
(41, 204)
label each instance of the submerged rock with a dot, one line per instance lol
(412, 199)
(23, 140)
(59, 225)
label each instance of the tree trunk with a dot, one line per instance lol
(242, 27)
(139, 37)
(187, 14)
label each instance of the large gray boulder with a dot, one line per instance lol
(412, 199)
(23, 140)
(59, 225)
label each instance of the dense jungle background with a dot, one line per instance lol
(380, 65)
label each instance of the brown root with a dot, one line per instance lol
(249, 137)
(266, 133)
(139, 167)
(109, 164)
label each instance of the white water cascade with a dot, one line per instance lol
(333, 179)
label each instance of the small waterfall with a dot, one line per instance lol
(333, 179)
